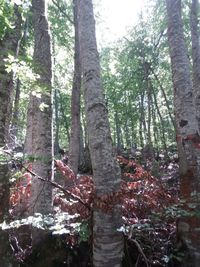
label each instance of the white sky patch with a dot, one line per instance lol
(114, 17)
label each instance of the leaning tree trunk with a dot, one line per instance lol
(7, 45)
(39, 129)
(74, 146)
(107, 241)
(187, 134)
(195, 55)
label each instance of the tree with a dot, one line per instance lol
(107, 241)
(74, 146)
(39, 119)
(195, 55)
(8, 44)
(187, 133)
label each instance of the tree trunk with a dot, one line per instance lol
(165, 97)
(195, 56)
(21, 51)
(187, 133)
(162, 130)
(39, 128)
(74, 146)
(107, 241)
(118, 131)
(7, 45)
(10, 43)
(57, 124)
(149, 139)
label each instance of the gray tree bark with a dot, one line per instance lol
(74, 145)
(9, 44)
(38, 143)
(107, 241)
(195, 55)
(187, 133)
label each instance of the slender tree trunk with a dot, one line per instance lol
(162, 130)
(143, 118)
(74, 145)
(141, 123)
(62, 110)
(15, 117)
(165, 97)
(149, 140)
(118, 131)
(195, 55)
(55, 108)
(155, 128)
(12, 44)
(21, 51)
(57, 125)
(187, 133)
(107, 241)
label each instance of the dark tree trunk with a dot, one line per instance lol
(8, 44)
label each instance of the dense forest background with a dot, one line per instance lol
(99, 151)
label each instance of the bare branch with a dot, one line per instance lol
(65, 191)
(141, 251)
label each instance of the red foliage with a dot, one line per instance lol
(65, 170)
(141, 195)
(21, 191)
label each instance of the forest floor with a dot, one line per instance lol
(150, 197)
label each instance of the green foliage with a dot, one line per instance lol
(61, 17)
(127, 69)
(6, 13)
(83, 231)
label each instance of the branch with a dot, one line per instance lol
(159, 39)
(65, 191)
(63, 12)
(141, 251)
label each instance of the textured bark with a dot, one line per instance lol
(7, 45)
(74, 145)
(39, 120)
(195, 55)
(21, 51)
(107, 241)
(187, 132)
(10, 44)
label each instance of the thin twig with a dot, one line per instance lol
(63, 12)
(141, 251)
